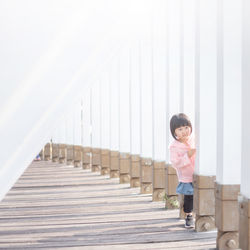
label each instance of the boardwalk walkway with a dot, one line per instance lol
(55, 206)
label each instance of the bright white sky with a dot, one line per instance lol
(50, 50)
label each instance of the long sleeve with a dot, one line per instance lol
(181, 162)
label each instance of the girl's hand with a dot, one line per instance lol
(191, 152)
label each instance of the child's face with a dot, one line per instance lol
(182, 133)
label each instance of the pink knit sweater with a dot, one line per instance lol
(180, 161)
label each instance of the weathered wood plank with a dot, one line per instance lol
(58, 206)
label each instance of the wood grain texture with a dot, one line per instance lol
(54, 206)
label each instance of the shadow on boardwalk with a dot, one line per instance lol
(55, 206)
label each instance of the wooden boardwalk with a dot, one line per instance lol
(55, 206)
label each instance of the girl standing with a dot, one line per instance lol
(182, 157)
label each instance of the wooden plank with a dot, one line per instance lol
(55, 206)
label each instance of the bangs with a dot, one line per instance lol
(182, 122)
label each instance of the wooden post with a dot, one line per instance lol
(47, 152)
(77, 155)
(204, 202)
(55, 152)
(62, 153)
(70, 154)
(105, 162)
(125, 162)
(114, 164)
(244, 223)
(96, 159)
(146, 175)
(227, 215)
(86, 158)
(159, 180)
(172, 199)
(135, 171)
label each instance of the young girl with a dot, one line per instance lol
(182, 156)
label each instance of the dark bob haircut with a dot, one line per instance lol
(177, 121)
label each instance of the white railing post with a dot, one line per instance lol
(244, 206)
(205, 113)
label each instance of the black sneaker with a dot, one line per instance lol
(189, 222)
